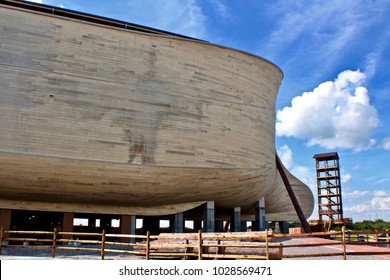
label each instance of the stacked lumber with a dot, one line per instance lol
(214, 246)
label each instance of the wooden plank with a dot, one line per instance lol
(243, 236)
(29, 246)
(311, 245)
(344, 243)
(222, 256)
(103, 244)
(27, 239)
(82, 241)
(312, 255)
(172, 255)
(77, 248)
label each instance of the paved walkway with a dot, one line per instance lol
(336, 248)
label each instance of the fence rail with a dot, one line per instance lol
(194, 246)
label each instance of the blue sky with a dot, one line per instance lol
(335, 95)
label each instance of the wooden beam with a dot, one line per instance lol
(291, 193)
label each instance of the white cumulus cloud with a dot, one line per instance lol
(360, 208)
(336, 114)
(303, 173)
(381, 194)
(286, 156)
(355, 194)
(386, 144)
(374, 202)
(381, 203)
(345, 177)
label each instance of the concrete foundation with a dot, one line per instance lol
(260, 223)
(67, 222)
(128, 226)
(244, 226)
(209, 217)
(235, 220)
(284, 227)
(177, 224)
(219, 226)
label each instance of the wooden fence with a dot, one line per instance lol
(340, 239)
(194, 246)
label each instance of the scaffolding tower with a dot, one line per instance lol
(330, 206)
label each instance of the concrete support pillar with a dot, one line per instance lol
(244, 226)
(219, 226)
(5, 220)
(178, 223)
(128, 226)
(235, 220)
(209, 217)
(284, 227)
(67, 224)
(260, 223)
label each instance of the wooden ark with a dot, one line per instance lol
(102, 118)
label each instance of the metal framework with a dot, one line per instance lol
(330, 206)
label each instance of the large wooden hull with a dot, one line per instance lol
(97, 119)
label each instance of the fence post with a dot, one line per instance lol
(266, 244)
(103, 243)
(344, 244)
(200, 245)
(376, 238)
(147, 245)
(188, 250)
(53, 248)
(281, 250)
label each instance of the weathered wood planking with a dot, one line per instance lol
(95, 119)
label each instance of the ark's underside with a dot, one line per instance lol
(101, 119)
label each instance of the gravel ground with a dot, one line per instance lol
(31, 253)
